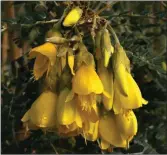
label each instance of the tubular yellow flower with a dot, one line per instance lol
(121, 66)
(107, 79)
(107, 48)
(86, 81)
(43, 110)
(67, 111)
(127, 124)
(73, 17)
(45, 56)
(109, 132)
(132, 101)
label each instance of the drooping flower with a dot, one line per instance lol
(107, 78)
(73, 16)
(127, 124)
(127, 94)
(86, 81)
(109, 132)
(45, 58)
(42, 112)
(132, 101)
(107, 48)
(67, 112)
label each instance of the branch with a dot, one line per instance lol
(139, 16)
(39, 23)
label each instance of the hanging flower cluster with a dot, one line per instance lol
(86, 94)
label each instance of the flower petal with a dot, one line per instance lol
(109, 131)
(127, 124)
(43, 110)
(66, 111)
(47, 49)
(86, 81)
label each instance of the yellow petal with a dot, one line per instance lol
(78, 119)
(107, 80)
(121, 79)
(144, 101)
(63, 62)
(70, 96)
(71, 63)
(109, 131)
(132, 101)
(127, 124)
(26, 117)
(43, 111)
(92, 133)
(86, 81)
(47, 49)
(65, 110)
(73, 16)
(121, 65)
(104, 144)
(40, 66)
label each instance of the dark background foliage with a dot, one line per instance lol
(141, 28)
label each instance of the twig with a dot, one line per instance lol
(139, 16)
(39, 23)
(106, 7)
(114, 35)
(53, 148)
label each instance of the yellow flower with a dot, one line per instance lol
(132, 101)
(109, 131)
(42, 112)
(67, 112)
(86, 81)
(106, 77)
(121, 65)
(127, 124)
(107, 48)
(45, 57)
(127, 94)
(73, 16)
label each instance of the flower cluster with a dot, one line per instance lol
(86, 94)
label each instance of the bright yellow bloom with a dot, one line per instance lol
(132, 101)
(67, 112)
(45, 57)
(106, 77)
(73, 16)
(127, 124)
(127, 94)
(109, 131)
(121, 65)
(86, 81)
(107, 48)
(42, 112)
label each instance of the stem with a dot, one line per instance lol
(114, 34)
(39, 23)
